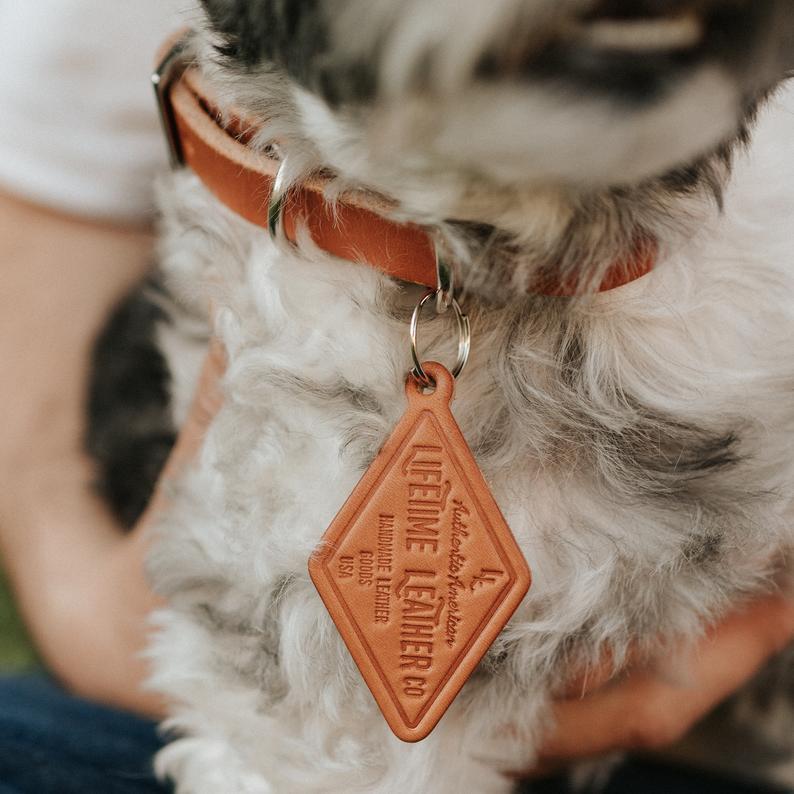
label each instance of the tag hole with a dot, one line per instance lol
(425, 391)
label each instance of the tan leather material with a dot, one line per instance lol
(419, 570)
(622, 272)
(354, 228)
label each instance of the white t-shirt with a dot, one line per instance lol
(78, 125)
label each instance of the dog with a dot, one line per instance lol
(637, 440)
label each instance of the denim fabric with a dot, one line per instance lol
(53, 743)
(646, 777)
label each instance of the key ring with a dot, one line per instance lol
(464, 340)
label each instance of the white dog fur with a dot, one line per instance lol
(564, 402)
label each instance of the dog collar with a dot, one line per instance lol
(355, 227)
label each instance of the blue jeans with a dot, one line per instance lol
(53, 743)
(646, 777)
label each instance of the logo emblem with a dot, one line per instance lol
(419, 570)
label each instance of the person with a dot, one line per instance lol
(79, 148)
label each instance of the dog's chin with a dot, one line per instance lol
(532, 181)
(516, 136)
(441, 155)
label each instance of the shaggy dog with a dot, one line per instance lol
(638, 441)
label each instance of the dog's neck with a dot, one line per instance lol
(506, 237)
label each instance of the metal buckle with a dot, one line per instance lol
(167, 73)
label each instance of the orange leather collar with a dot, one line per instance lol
(354, 228)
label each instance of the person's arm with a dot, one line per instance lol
(647, 709)
(79, 582)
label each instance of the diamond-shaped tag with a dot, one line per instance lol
(419, 570)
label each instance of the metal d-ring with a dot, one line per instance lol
(275, 209)
(445, 281)
(464, 340)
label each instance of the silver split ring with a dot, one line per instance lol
(464, 340)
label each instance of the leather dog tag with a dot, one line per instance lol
(419, 570)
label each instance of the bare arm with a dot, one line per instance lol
(78, 581)
(646, 710)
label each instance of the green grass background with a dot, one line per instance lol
(16, 652)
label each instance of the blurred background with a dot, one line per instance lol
(79, 135)
(16, 651)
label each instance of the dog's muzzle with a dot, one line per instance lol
(637, 50)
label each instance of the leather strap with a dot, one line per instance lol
(354, 228)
